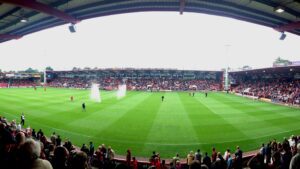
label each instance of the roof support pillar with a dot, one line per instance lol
(182, 6)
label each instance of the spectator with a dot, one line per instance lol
(5, 139)
(229, 162)
(79, 160)
(190, 158)
(268, 153)
(176, 158)
(163, 165)
(40, 133)
(85, 149)
(276, 161)
(20, 139)
(175, 161)
(33, 134)
(214, 154)
(104, 151)
(207, 160)
(238, 158)
(61, 155)
(195, 165)
(198, 156)
(68, 145)
(257, 162)
(157, 163)
(58, 141)
(226, 154)
(178, 165)
(111, 153)
(128, 158)
(134, 163)
(29, 156)
(91, 149)
(262, 150)
(153, 156)
(295, 162)
(50, 152)
(53, 138)
(15, 151)
(286, 156)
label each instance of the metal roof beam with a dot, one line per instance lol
(9, 36)
(43, 8)
(10, 13)
(182, 6)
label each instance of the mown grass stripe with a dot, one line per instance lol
(141, 122)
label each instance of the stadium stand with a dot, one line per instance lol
(22, 83)
(21, 79)
(3, 84)
(278, 85)
(138, 79)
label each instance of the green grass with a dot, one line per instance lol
(143, 123)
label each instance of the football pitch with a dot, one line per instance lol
(142, 122)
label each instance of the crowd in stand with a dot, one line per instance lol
(4, 83)
(138, 84)
(28, 149)
(22, 83)
(278, 90)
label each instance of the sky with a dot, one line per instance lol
(151, 40)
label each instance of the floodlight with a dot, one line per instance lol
(24, 20)
(279, 9)
(72, 28)
(282, 36)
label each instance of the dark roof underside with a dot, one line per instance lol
(255, 11)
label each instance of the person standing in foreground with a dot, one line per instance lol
(162, 98)
(128, 158)
(22, 119)
(198, 156)
(238, 158)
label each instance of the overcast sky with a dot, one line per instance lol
(151, 40)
